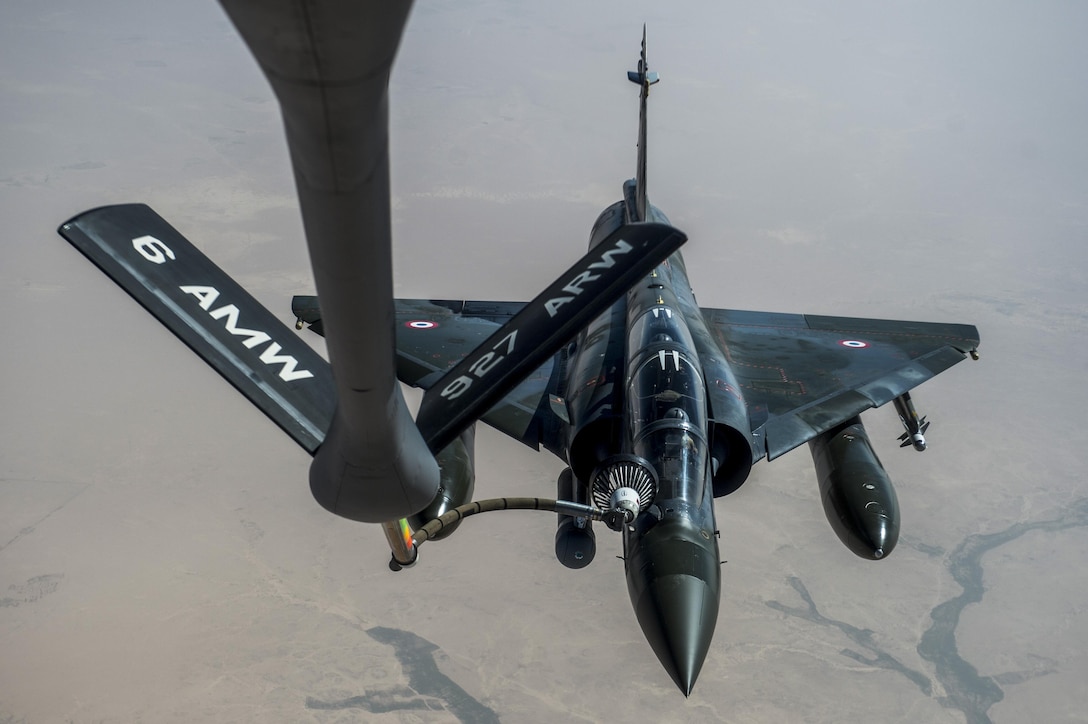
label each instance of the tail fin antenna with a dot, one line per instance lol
(645, 78)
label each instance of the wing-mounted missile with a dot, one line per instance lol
(575, 542)
(858, 497)
(915, 426)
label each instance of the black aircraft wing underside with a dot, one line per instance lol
(433, 335)
(803, 374)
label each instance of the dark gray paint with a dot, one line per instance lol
(329, 65)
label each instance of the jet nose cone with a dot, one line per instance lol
(677, 614)
(674, 580)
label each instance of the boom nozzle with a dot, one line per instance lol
(399, 536)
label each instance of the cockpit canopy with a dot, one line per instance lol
(668, 389)
(659, 326)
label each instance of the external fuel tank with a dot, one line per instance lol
(858, 497)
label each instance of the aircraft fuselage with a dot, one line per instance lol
(637, 394)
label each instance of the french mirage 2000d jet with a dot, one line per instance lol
(658, 406)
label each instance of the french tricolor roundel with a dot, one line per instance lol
(421, 324)
(853, 343)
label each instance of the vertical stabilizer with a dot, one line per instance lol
(645, 78)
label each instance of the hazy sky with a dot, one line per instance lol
(161, 557)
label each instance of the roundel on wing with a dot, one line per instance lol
(853, 343)
(421, 324)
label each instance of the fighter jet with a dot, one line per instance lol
(658, 406)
